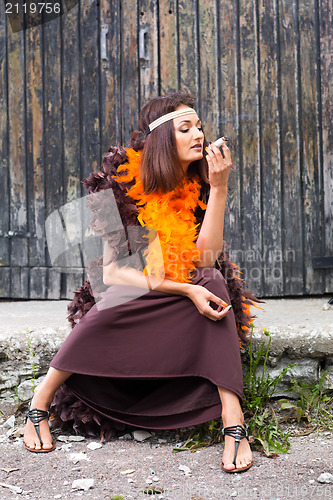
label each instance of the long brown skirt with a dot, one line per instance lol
(154, 361)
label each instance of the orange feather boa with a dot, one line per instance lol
(172, 216)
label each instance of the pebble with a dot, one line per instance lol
(178, 445)
(326, 477)
(83, 484)
(149, 481)
(127, 471)
(94, 446)
(126, 436)
(141, 435)
(185, 469)
(76, 438)
(62, 438)
(57, 496)
(76, 457)
(13, 489)
(15, 432)
(66, 447)
(66, 439)
(233, 494)
(10, 422)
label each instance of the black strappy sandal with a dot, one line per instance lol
(238, 433)
(36, 416)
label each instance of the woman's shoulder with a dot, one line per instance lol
(110, 177)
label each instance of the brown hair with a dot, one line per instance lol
(160, 168)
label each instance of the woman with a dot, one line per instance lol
(167, 357)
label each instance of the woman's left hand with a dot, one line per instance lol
(218, 166)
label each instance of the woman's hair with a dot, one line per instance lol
(160, 168)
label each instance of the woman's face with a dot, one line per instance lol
(189, 137)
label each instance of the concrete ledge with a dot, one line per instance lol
(49, 327)
(302, 332)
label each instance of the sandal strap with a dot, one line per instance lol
(238, 433)
(36, 416)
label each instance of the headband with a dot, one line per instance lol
(167, 117)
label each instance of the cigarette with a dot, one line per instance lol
(222, 141)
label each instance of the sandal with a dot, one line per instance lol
(37, 416)
(238, 433)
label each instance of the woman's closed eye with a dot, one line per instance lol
(184, 130)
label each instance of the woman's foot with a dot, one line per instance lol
(244, 457)
(31, 439)
(232, 415)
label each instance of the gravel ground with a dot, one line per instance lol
(126, 467)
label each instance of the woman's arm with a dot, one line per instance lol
(200, 296)
(210, 239)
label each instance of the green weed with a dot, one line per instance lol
(259, 413)
(314, 406)
(257, 394)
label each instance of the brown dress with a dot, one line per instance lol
(153, 361)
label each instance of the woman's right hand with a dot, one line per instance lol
(201, 297)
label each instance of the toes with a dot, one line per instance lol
(228, 466)
(47, 446)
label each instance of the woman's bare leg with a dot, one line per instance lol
(232, 415)
(43, 397)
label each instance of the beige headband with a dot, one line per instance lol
(167, 117)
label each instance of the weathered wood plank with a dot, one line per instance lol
(326, 65)
(4, 137)
(188, 48)
(19, 277)
(35, 170)
(53, 140)
(53, 280)
(74, 280)
(5, 282)
(72, 173)
(38, 283)
(129, 69)
(110, 75)
(148, 50)
(208, 30)
(17, 156)
(291, 181)
(73, 188)
(169, 55)
(310, 158)
(90, 125)
(272, 252)
(228, 51)
(250, 136)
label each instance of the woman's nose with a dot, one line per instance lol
(198, 134)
